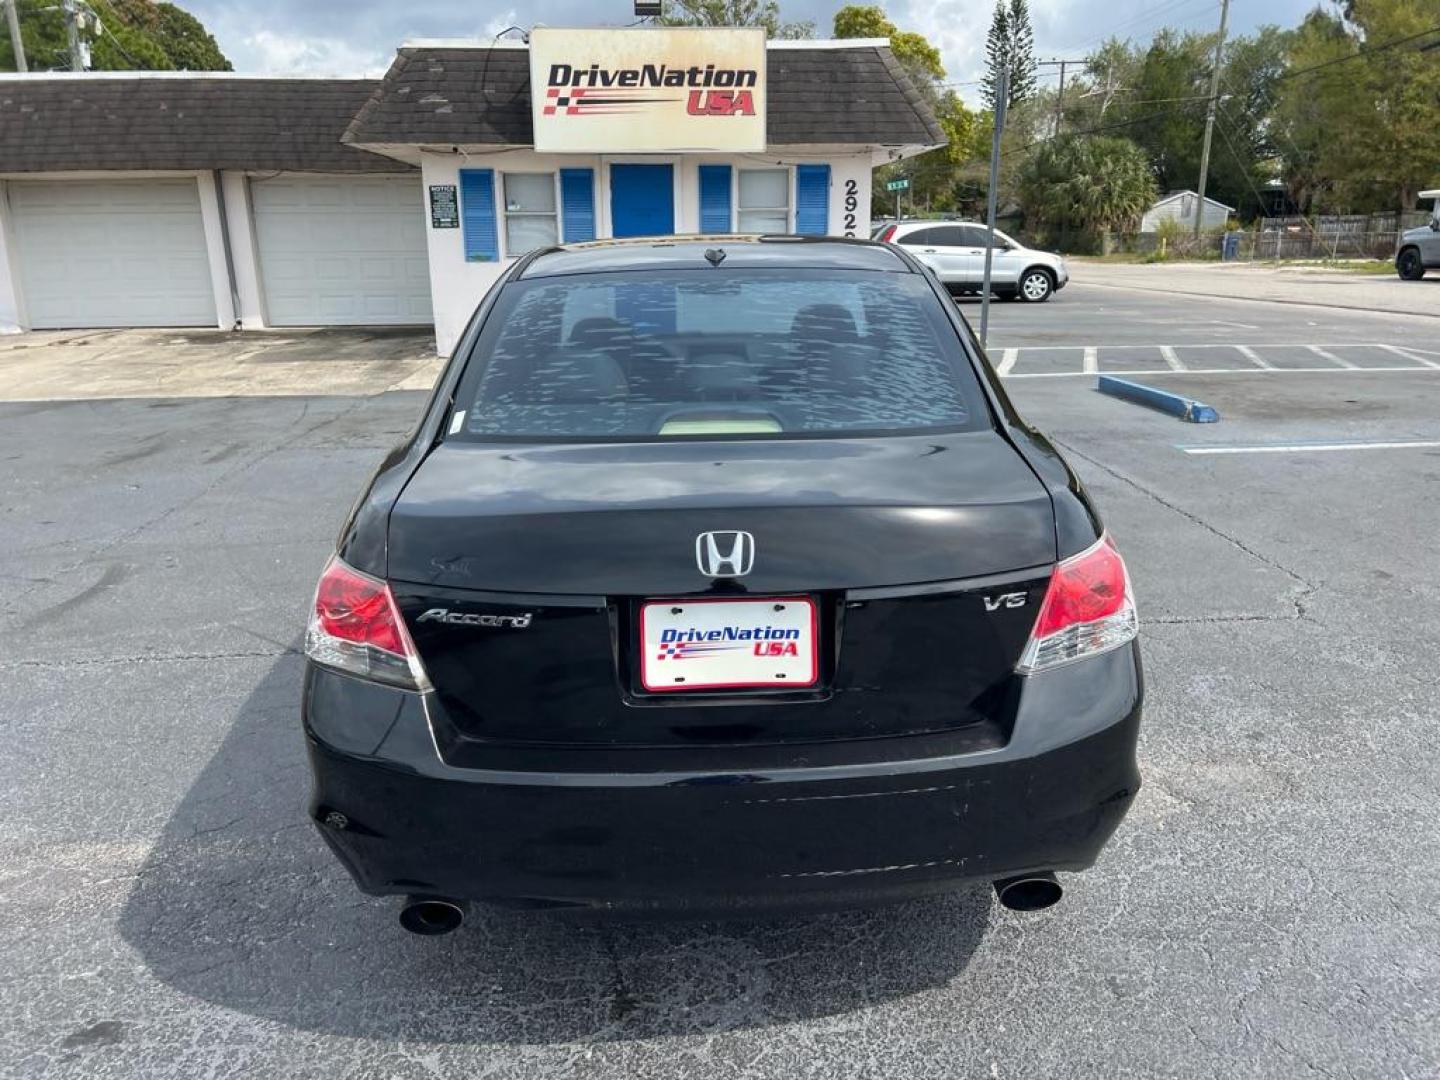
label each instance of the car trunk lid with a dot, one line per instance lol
(925, 558)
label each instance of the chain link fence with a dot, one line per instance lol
(1338, 236)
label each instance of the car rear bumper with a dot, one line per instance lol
(886, 827)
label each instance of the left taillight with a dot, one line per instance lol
(1089, 608)
(355, 627)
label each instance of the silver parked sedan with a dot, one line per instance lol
(956, 252)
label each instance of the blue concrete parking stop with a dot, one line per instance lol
(1177, 405)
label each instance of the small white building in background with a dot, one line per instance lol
(212, 199)
(1180, 206)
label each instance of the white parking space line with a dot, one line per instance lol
(1326, 354)
(1255, 358)
(1409, 355)
(1220, 371)
(1308, 448)
(1083, 360)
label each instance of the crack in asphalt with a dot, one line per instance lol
(1191, 620)
(1300, 600)
(151, 658)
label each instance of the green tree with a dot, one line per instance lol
(1022, 52)
(1359, 119)
(123, 35)
(186, 42)
(932, 175)
(919, 58)
(1094, 184)
(1307, 107)
(763, 13)
(1010, 41)
(1156, 94)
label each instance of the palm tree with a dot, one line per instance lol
(1096, 184)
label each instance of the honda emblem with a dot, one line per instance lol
(725, 554)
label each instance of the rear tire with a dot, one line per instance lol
(1036, 286)
(1409, 265)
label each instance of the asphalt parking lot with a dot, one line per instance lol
(1267, 910)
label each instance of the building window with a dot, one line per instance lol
(764, 200)
(530, 218)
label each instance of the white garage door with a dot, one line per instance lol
(343, 250)
(112, 253)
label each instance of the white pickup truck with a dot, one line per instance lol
(1418, 249)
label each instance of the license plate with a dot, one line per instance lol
(728, 644)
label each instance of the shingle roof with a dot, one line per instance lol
(210, 122)
(478, 95)
(430, 96)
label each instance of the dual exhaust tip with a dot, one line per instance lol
(431, 916)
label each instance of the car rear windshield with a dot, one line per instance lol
(715, 353)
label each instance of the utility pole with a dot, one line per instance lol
(1210, 117)
(72, 35)
(13, 18)
(1060, 94)
(1002, 92)
(1060, 100)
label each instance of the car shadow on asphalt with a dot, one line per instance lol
(240, 904)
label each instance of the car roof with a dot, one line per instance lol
(906, 226)
(688, 253)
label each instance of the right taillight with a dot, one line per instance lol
(1089, 608)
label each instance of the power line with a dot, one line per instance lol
(1171, 9)
(1363, 52)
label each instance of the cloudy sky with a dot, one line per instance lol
(358, 37)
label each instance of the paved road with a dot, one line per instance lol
(1272, 284)
(1268, 910)
(1087, 314)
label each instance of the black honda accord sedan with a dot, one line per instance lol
(719, 576)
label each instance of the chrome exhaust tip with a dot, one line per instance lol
(431, 916)
(1029, 892)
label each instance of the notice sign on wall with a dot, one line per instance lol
(444, 208)
(648, 90)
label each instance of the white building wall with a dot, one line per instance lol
(457, 285)
(850, 196)
(225, 313)
(9, 270)
(1182, 209)
(243, 251)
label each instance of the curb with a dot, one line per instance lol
(1187, 409)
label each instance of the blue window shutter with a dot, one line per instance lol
(715, 199)
(812, 199)
(477, 215)
(577, 205)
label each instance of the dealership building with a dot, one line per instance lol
(219, 200)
